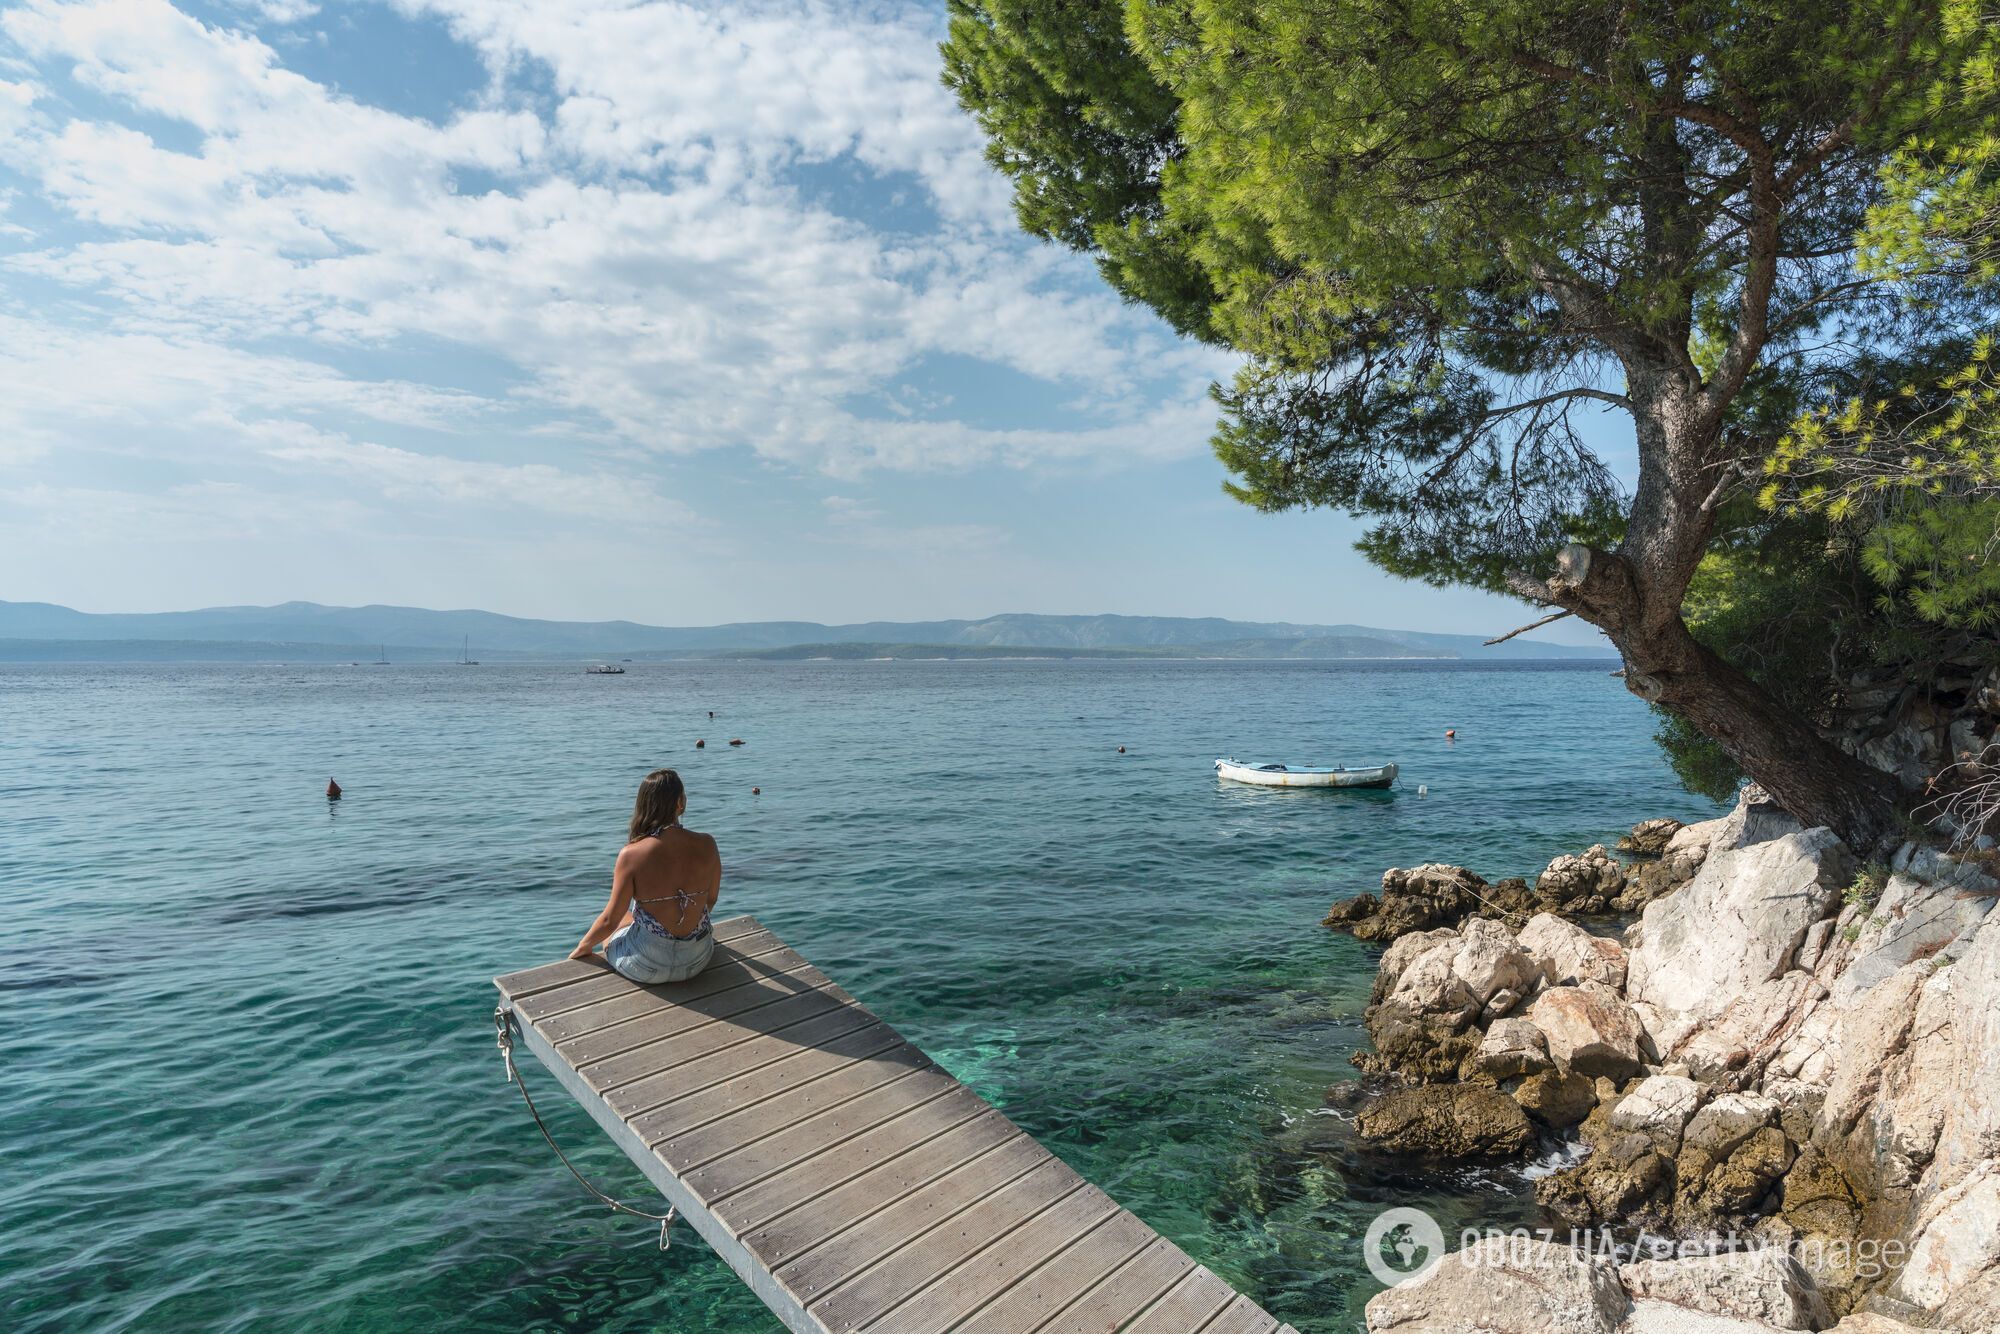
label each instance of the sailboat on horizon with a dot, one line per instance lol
(382, 656)
(465, 658)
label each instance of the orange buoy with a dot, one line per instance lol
(1451, 734)
(700, 745)
(332, 790)
(736, 741)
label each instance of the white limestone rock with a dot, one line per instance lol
(1566, 954)
(1488, 960)
(1764, 1285)
(1654, 1317)
(1590, 1030)
(1512, 1047)
(1506, 1286)
(1738, 925)
(1726, 1121)
(1659, 1109)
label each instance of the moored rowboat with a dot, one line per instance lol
(1278, 775)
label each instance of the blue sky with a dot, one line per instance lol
(681, 313)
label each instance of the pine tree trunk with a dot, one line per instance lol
(1815, 780)
(1819, 783)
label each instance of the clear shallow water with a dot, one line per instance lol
(250, 1080)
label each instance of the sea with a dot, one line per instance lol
(249, 1076)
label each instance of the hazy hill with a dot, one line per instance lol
(297, 631)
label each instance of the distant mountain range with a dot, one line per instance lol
(308, 631)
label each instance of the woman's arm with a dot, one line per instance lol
(614, 912)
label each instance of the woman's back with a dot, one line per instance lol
(676, 875)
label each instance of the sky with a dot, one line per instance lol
(671, 312)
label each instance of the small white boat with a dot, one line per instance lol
(1279, 775)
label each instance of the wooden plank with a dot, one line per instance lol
(871, 1046)
(928, 1286)
(760, 1141)
(1241, 1316)
(1071, 1273)
(675, 1054)
(897, 1156)
(826, 1195)
(1190, 1304)
(1118, 1298)
(658, 1089)
(1019, 1177)
(845, 1177)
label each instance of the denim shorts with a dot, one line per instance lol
(652, 956)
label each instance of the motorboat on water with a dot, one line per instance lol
(1283, 775)
(605, 669)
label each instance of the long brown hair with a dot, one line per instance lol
(659, 803)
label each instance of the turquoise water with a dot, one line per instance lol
(250, 1079)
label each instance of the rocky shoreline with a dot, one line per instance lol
(1790, 1059)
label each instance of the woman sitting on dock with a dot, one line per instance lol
(662, 889)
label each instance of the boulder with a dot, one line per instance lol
(1506, 1285)
(1727, 1120)
(1488, 961)
(1500, 1002)
(1414, 1045)
(1556, 1099)
(1429, 985)
(1590, 1030)
(1649, 838)
(1711, 1188)
(1955, 1240)
(1625, 1182)
(1350, 911)
(1737, 925)
(1658, 1109)
(1648, 1316)
(1584, 882)
(1566, 954)
(1868, 1322)
(1402, 953)
(1765, 1285)
(1820, 1207)
(1509, 1048)
(1677, 864)
(1446, 1121)
(1414, 899)
(1745, 1031)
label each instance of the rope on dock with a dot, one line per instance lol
(503, 1024)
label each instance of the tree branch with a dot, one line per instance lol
(1531, 625)
(1601, 395)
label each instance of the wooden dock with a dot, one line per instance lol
(851, 1182)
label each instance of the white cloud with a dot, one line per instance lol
(641, 253)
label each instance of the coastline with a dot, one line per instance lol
(1776, 1069)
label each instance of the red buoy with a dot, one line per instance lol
(736, 741)
(1451, 734)
(698, 745)
(756, 791)
(332, 790)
